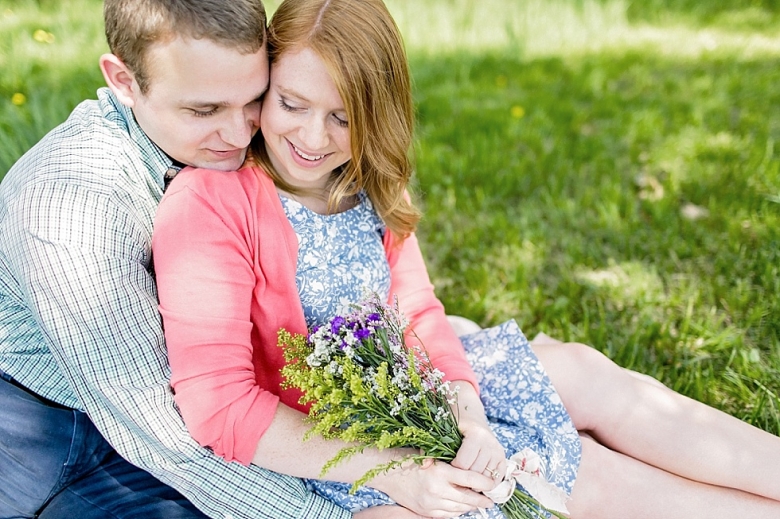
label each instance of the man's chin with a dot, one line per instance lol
(226, 164)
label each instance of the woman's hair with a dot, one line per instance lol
(133, 26)
(363, 50)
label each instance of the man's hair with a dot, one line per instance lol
(362, 48)
(133, 26)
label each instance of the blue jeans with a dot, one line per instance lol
(54, 464)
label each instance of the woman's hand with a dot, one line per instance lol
(435, 489)
(480, 452)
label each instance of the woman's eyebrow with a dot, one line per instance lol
(292, 93)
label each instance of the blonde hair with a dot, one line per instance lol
(363, 50)
(132, 26)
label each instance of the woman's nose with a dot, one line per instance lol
(314, 135)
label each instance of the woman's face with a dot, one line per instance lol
(303, 121)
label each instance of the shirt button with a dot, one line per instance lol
(172, 172)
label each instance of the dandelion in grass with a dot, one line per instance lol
(368, 387)
(42, 36)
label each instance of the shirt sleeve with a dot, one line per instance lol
(81, 257)
(206, 276)
(409, 281)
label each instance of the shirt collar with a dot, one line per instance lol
(161, 167)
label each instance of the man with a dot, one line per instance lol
(81, 349)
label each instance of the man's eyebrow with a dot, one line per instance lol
(220, 104)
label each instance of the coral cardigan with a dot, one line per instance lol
(225, 258)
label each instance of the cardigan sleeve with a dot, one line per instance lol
(205, 276)
(409, 281)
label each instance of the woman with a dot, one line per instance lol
(317, 215)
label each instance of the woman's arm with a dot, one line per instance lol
(204, 256)
(205, 279)
(481, 451)
(410, 282)
(433, 489)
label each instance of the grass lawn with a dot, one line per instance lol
(603, 171)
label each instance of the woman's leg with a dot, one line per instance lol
(658, 426)
(612, 485)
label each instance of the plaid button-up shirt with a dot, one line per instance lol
(78, 308)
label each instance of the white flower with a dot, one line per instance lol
(528, 461)
(525, 468)
(401, 380)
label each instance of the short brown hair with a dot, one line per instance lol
(362, 48)
(132, 26)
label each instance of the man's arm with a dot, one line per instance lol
(80, 258)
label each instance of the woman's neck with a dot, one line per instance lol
(318, 201)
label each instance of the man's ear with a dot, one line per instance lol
(119, 79)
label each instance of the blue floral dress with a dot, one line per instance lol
(341, 257)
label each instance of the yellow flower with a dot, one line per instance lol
(42, 36)
(518, 112)
(18, 99)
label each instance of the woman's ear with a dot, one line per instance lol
(119, 79)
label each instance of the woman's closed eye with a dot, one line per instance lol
(340, 121)
(288, 107)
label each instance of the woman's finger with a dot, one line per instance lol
(469, 479)
(467, 455)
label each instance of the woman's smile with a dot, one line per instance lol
(306, 159)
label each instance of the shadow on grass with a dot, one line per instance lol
(624, 201)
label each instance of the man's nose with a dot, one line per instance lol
(242, 126)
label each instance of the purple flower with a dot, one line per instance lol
(337, 323)
(373, 318)
(362, 333)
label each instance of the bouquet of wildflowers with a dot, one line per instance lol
(368, 388)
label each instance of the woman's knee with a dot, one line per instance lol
(585, 379)
(571, 359)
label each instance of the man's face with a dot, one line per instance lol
(203, 103)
